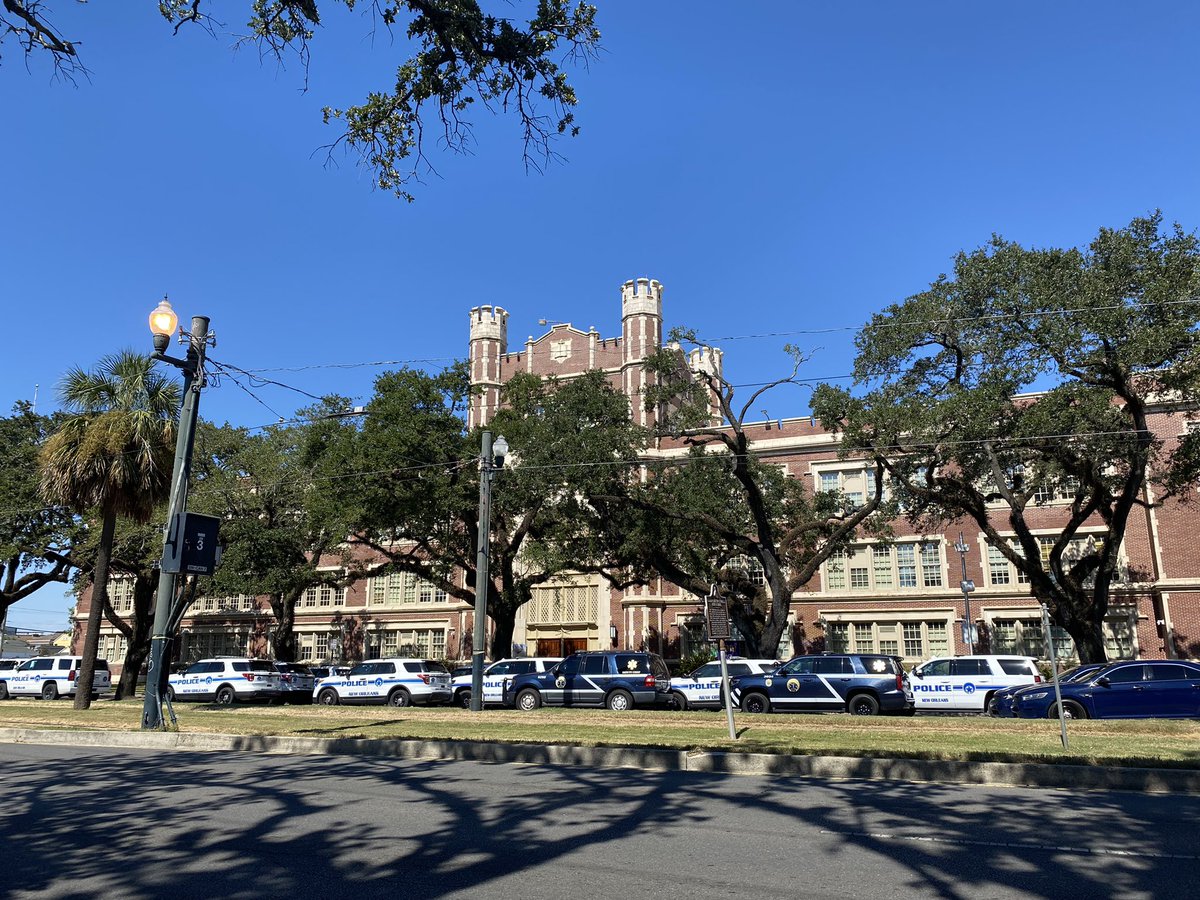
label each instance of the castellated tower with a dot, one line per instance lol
(641, 335)
(489, 342)
(708, 360)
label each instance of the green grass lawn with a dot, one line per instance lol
(1146, 742)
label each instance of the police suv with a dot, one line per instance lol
(967, 683)
(616, 679)
(226, 679)
(494, 677)
(51, 677)
(702, 688)
(858, 683)
(396, 682)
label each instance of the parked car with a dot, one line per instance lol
(701, 689)
(1001, 702)
(298, 682)
(967, 683)
(459, 671)
(396, 682)
(860, 684)
(51, 677)
(617, 679)
(320, 673)
(1124, 690)
(226, 679)
(494, 677)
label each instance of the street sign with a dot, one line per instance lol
(716, 614)
(191, 545)
(970, 634)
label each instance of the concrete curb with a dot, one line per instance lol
(1112, 778)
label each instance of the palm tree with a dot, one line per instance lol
(112, 455)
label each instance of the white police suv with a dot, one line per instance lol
(51, 677)
(966, 683)
(493, 678)
(226, 679)
(702, 688)
(396, 682)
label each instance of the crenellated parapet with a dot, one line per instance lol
(706, 359)
(641, 297)
(490, 323)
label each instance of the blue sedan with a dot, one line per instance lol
(1125, 690)
(1001, 702)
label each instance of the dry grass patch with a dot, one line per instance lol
(1149, 742)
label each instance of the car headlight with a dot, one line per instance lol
(1038, 695)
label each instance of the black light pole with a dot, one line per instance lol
(967, 586)
(491, 461)
(162, 323)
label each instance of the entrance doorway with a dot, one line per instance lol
(560, 646)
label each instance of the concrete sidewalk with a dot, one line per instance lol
(1175, 781)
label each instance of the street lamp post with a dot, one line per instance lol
(491, 461)
(967, 586)
(162, 324)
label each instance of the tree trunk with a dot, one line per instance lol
(283, 634)
(1088, 638)
(138, 647)
(91, 640)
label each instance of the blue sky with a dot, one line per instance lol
(780, 166)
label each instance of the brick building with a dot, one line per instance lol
(899, 597)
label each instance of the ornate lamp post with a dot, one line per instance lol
(491, 461)
(163, 322)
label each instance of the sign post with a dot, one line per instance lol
(716, 614)
(1049, 638)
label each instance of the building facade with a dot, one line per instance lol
(898, 597)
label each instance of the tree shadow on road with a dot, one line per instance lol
(185, 824)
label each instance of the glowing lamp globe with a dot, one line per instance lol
(162, 324)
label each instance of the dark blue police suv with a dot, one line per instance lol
(860, 684)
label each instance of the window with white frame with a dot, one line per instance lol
(323, 595)
(855, 483)
(915, 639)
(1002, 572)
(205, 644)
(907, 565)
(112, 648)
(425, 643)
(320, 646)
(750, 567)
(120, 594)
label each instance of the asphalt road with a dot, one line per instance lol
(132, 824)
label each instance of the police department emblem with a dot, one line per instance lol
(793, 684)
(560, 682)
(968, 688)
(768, 681)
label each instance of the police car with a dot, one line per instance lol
(494, 677)
(226, 679)
(396, 682)
(51, 677)
(617, 679)
(966, 683)
(702, 688)
(860, 684)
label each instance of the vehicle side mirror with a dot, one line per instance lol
(915, 673)
(1103, 681)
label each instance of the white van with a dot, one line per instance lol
(51, 677)
(966, 683)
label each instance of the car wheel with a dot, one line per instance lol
(991, 706)
(224, 695)
(862, 705)
(3, 690)
(678, 701)
(1071, 710)
(171, 693)
(619, 701)
(399, 697)
(49, 691)
(756, 703)
(529, 700)
(463, 699)
(328, 697)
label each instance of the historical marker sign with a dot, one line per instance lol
(716, 613)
